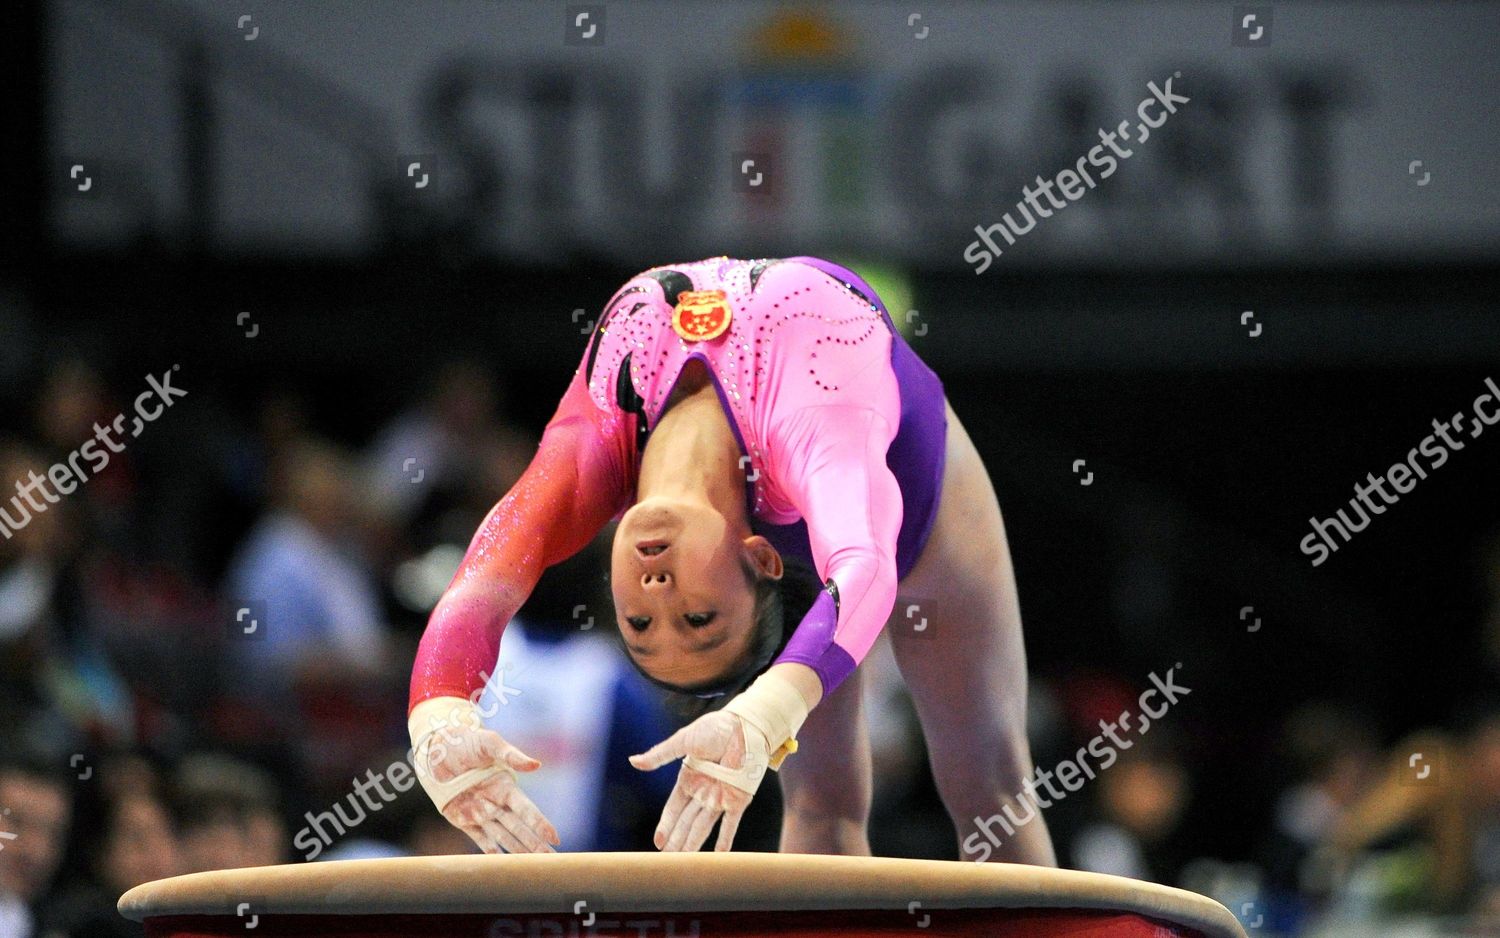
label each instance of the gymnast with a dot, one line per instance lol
(750, 418)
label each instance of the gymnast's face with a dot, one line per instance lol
(681, 577)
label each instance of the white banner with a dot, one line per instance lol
(643, 130)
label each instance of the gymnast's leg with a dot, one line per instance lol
(826, 784)
(967, 670)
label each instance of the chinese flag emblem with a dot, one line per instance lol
(701, 315)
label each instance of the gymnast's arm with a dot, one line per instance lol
(577, 481)
(832, 466)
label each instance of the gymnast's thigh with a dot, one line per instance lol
(956, 628)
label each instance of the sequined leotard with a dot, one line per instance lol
(841, 425)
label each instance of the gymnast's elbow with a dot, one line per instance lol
(473, 605)
(465, 626)
(865, 576)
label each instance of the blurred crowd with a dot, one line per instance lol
(205, 647)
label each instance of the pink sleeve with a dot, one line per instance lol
(580, 477)
(830, 462)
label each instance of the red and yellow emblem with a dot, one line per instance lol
(701, 315)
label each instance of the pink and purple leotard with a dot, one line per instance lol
(842, 429)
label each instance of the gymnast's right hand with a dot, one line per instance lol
(470, 774)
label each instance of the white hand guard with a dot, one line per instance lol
(431, 725)
(771, 711)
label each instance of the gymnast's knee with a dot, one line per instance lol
(846, 805)
(979, 783)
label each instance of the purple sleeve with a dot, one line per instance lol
(813, 644)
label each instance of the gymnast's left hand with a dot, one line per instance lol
(698, 800)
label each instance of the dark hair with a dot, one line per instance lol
(777, 602)
(209, 787)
